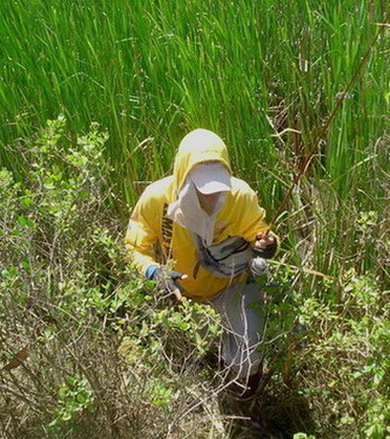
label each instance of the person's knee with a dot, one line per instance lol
(246, 363)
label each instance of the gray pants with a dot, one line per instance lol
(241, 307)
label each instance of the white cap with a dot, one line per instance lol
(211, 177)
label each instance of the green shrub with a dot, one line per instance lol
(100, 342)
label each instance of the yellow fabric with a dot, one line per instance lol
(241, 216)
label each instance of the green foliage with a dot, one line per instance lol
(69, 295)
(56, 283)
(150, 72)
(73, 397)
(335, 353)
(161, 394)
(65, 284)
(303, 436)
(377, 420)
(264, 75)
(199, 322)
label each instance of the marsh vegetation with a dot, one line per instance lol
(95, 97)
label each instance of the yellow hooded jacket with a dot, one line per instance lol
(241, 216)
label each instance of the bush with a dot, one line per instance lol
(85, 346)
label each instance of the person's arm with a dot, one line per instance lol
(254, 228)
(142, 233)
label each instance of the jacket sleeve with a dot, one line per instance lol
(253, 218)
(142, 232)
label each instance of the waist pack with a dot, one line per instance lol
(225, 259)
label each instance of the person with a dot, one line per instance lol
(211, 226)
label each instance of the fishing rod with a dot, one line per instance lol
(325, 126)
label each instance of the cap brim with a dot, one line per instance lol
(210, 178)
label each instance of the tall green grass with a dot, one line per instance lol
(149, 71)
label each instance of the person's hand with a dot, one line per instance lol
(167, 280)
(265, 245)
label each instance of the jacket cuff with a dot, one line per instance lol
(266, 253)
(150, 271)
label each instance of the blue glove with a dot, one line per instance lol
(166, 279)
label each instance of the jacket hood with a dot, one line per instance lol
(198, 146)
